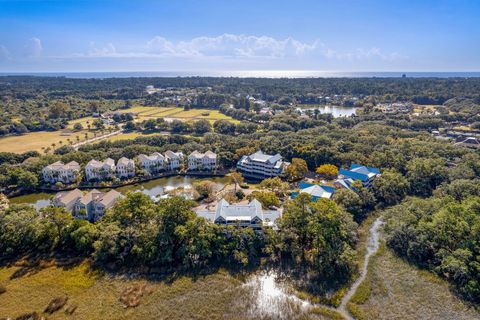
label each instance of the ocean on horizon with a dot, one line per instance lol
(248, 74)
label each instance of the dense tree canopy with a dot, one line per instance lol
(440, 234)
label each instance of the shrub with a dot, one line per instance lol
(56, 304)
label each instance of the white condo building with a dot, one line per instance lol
(100, 170)
(202, 161)
(242, 215)
(153, 163)
(174, 160)
(125, 168)
(90, 206)
(60, 172)
(261, 166)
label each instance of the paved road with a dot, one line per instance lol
(105, 136)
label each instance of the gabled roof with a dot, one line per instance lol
(125, 161)
(364, 169)
(248, 211)
(173, 155)
(318, 191)
(210, 154)
(68, 196)
(241, 212)
(109, 162)
(73, 165)
(89, 196)
(195, 154)
(59, 165)
(259, 156)
(199, 155)
(109, 198)
(156, 156)
(359, 172)
(315, 190)
(106, 199)
(143, 157)
(344, 183)
(94, 163)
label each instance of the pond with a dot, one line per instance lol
(335, 111)
(153, 188)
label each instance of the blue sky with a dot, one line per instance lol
(206, 35)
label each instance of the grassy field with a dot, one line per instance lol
(394, 289)
(145, 113)
(83, 121)
(128, 136)
(38, 140)
(96, 296)
(425, 108)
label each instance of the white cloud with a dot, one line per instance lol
(231, 45)
(106, 51)
(33, 48)
(240, 46)
(160, 45)
(225, 45)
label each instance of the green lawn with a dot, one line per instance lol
(38, 140)
(145, 113)
(127, 136)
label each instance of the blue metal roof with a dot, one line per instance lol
(304, 185)
(354, 175)
(371, 169)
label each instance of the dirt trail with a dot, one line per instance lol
(372, 246)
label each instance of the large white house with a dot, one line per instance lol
(60, 172)
(260, 165)
(153, 163)
(125, 168)
(90, 206)
(243, 215)
(174, 160)
(100, 170)
(202, 161)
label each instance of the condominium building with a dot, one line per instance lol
(60, 172)
(173, 160)
(261, 166)
(242, 215)
(100, 170)
(67, 199)
(358, 172)
(202, 161)
(125, 168)
(153, 163)
(90, 206)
